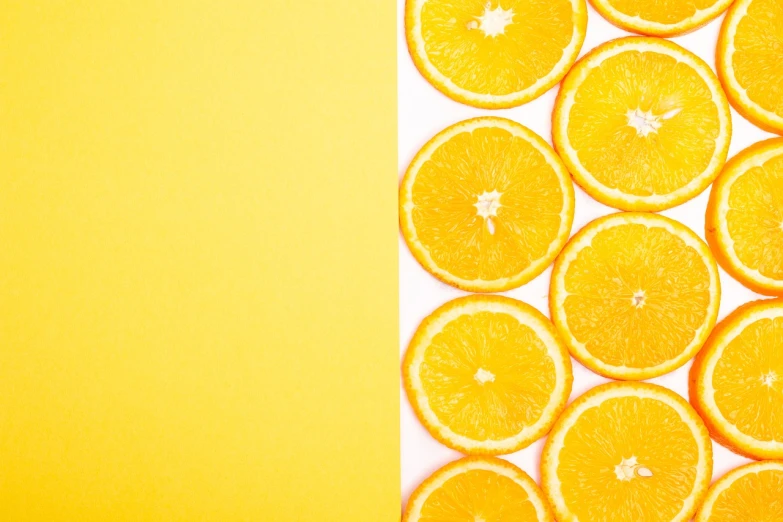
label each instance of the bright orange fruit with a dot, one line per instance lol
(751, 493)
(494, 54)
(487, 374)
(627, 452)
(634, 295)
(660, 17)
(737, 381)
(744, 224)
(478, 489)
(486, 205)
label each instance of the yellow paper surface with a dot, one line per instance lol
(198, 243)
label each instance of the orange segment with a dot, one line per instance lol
(642, 124)
(660, 17)
(627, 452)
(494, 54)
(749, 61)
(750, 493)
(634, 295)
(486, 205)
(744, 224)
(478, 489)
(737, 381)
(487, 374)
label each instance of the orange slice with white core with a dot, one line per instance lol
(750, 493)
(749, 61)
(486, 205)
(627, 452)
(634, 295)
(642, 124)
(476, 489)
(736, 381)
(744, 224)
(660, 17)
(487, 375)
(494, 53)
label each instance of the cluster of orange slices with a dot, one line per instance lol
(642, 125)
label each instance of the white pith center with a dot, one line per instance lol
(493, 22)
(638, 299)
(646, 122)
(629, 469)
(487, 205)
(768, 379)
(483, 376)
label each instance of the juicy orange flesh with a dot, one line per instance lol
(447, 189)
(644, 83)
(523, 376)
(478, 495)
(752, 497)
(616, 430)
(626, 262)
(528, 49)
(748, 380)
(661, 11)
(756, 61)
(755, 218)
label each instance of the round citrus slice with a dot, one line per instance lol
(478, 489)
(486, 205)
(627, 452)
(660, 17)
(642, 124)
(487, 374)
(750, 493)
(749, 61)
(494, 54)
(744, 224)
(736, 381)
(634, 295)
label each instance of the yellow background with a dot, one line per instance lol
(198, 282)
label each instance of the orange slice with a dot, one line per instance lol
(627, 452)
(642, 124)
(494, 54)
(486, 205)
(660, 17)
(487, 374)
(634, 295)
(744, 224)
(478, 489)
(749, 61)
(751, 493)
(736, 382)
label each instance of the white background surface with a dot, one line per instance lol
(424, 111)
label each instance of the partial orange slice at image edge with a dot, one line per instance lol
(753, 492)
(494, 54)
(736, 381)
(660, 17)
(622, 449)
(744, 220)
(478, 488)
(749, 62)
